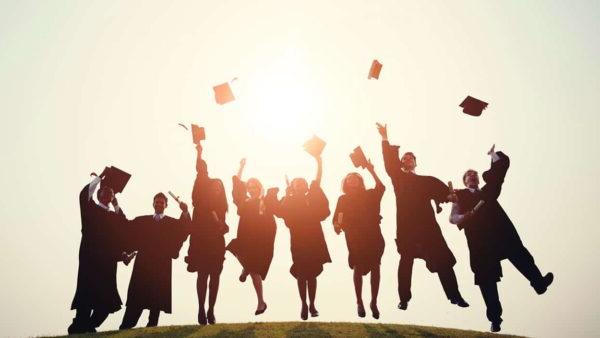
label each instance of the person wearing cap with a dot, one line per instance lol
(102, 247)
(418, 235)
(157, 239)
(491, 235)
(303, 209)
(357, 214)
(206, 252)
(253, 245)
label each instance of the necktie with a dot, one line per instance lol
(157, 218)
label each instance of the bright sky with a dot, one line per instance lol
(86, 84)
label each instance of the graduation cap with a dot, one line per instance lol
(314, 146)
(115, 178)
(358, 158)
(197, 134)
(223, 93)
(375, 70)
(473, 106)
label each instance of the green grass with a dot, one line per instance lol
(294, 329)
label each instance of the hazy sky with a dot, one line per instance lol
(84, 84)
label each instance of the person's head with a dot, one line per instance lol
(217, 194)
(409, 161)
(471, 179)
(160, 203)
(299, 186)
(353, 183)
(105, 195)
(254, 188)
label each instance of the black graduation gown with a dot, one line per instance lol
(303, 216)
(102, 245)
(361, 226)
(157, 243)
(206, 252)
(490, 233)
(418, 234)
(253, 245)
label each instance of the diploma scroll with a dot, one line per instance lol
(479, 205)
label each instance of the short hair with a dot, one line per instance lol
(345, 181)
(465, 175)
(161, 195)
(411, 154)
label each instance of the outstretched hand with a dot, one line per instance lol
(183, 207)
(382, 129)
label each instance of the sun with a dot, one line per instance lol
(281, 101)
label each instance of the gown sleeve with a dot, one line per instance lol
(318, 202)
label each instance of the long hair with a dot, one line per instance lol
(219, 202)
(361, 185)
(260, 186)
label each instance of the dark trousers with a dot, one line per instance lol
(446, 276)
(523, 261)
(132, 315)
(87, 320)
(489, 291)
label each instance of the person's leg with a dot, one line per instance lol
(153, 318)
(258, 287)
(404, 280)
(302, 286)
(212, 296)
(489, 291)
(524, 262)
(81, 322)
(312, 294)
(358, 281)
(375, 277)
(201, 284)
(450, 286)
(130, 318)
(98, 317)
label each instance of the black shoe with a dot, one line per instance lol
(403, 305)
(261, 311)
(202, 317)
(210, 317)
(313, 312)
(304, 312)
(460, 302)
(375, 311)
(361, 311)
(75, 329)
(495, 326)
(543, 285)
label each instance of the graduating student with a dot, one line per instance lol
(157, 239)
(418, 234)
(357, 215)
(303, 209)
(102, 246)
(206, 252)
(492, 237)
(253, 245)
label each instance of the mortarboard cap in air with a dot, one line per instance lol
(314, 146)
(375, 70)
(358, 158)
(223, 93)
(473, 106)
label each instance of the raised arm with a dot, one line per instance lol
(319, 170)
(391, 159)
(201, 184)
(378, 184)
(494, 177)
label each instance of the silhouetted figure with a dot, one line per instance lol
(357, 215)
(102, 246)
(418, 234)
(253, 246)
(207, 243)
(492, 237)
(303, 209)
(157, 239)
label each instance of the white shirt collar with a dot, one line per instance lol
(473, 189)
(159, 215)
(408, 171)
(103, 206)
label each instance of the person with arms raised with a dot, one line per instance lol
(253, 245)
(491, 235)
(206, 252)
(357, 215)
(418, 235)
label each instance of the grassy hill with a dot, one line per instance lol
(294, 329)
